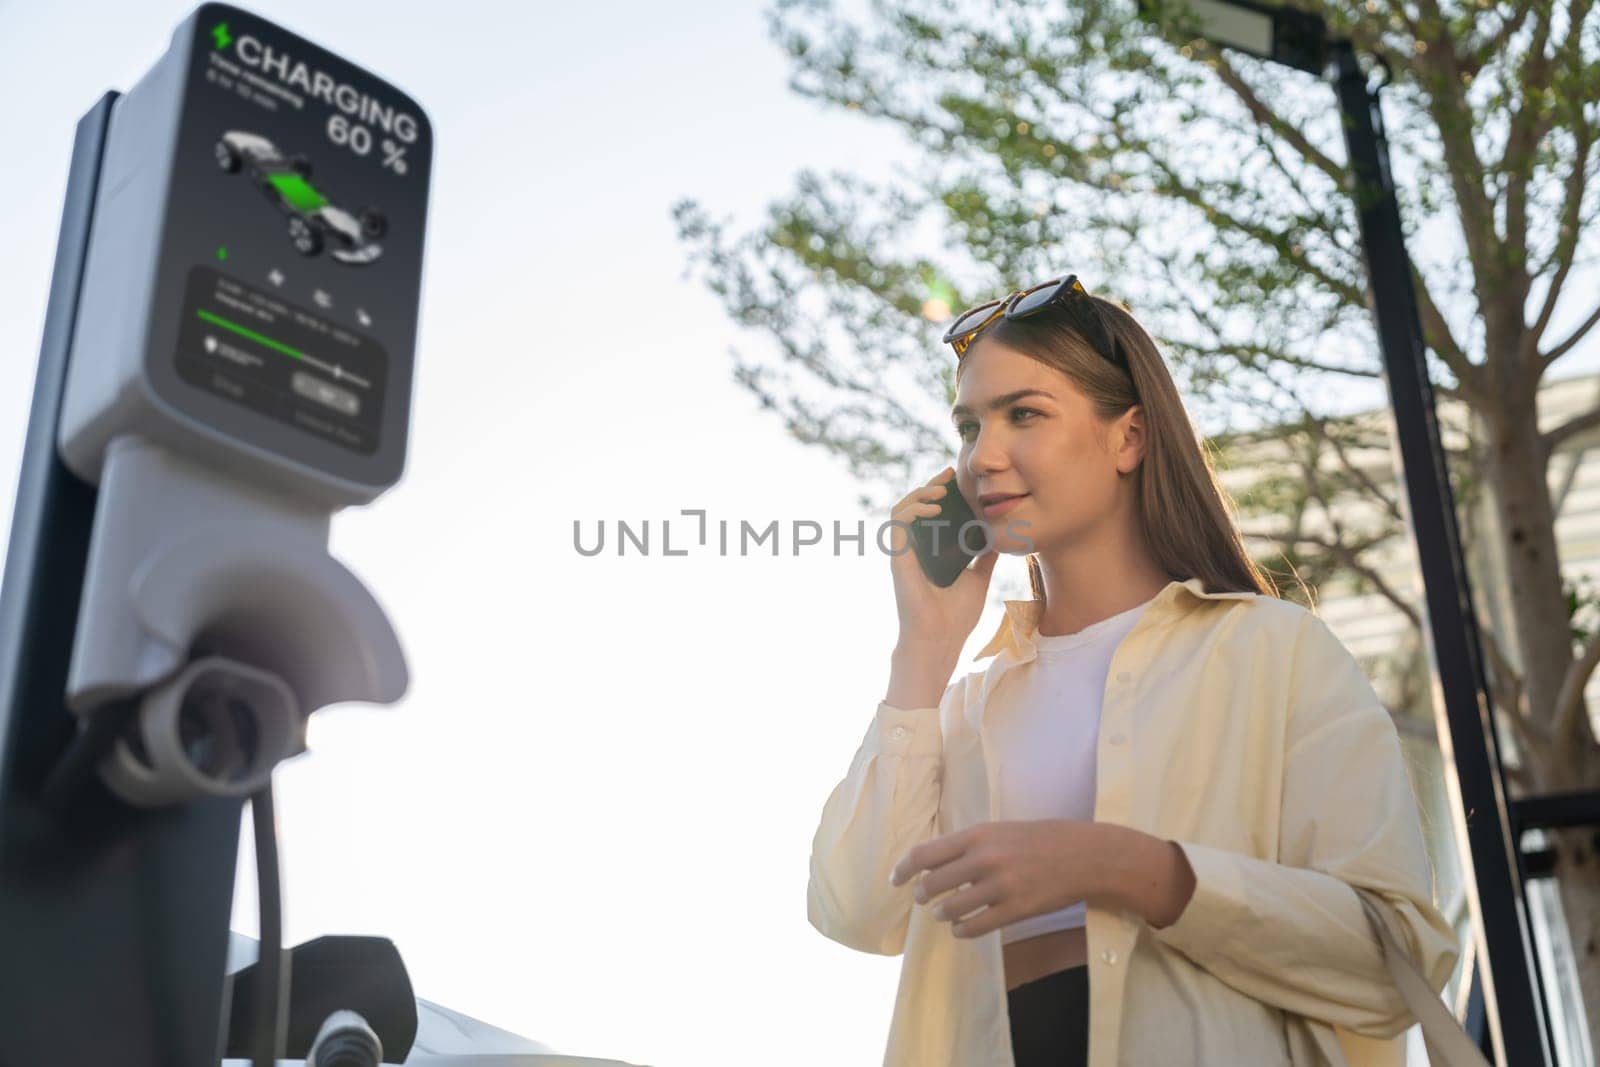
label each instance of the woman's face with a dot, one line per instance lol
(1046, 446)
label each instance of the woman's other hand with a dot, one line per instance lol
(1018, 869)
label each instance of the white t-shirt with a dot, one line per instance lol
(1045, 727)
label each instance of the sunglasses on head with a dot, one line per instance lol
(1065, 292)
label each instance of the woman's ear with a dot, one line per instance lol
(1133, 440)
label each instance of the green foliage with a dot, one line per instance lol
(1581, 593)
(1205, 189)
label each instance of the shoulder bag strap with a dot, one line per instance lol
(1448, 1043)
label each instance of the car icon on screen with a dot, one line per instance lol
(315, 221)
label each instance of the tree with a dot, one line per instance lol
(1209, 191)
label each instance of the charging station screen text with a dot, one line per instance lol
(287, 362)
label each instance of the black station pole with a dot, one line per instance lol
(1508, 968)
(113, 921)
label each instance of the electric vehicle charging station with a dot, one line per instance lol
(227, 360)
(231, 383)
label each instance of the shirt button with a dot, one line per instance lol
(1124, 677)
(898, 732)
(1109, 955)
(1117, 739)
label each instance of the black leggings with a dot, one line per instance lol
(1050, 1019)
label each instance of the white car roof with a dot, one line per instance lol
(252, 143)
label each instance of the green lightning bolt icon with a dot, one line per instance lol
(220, 34)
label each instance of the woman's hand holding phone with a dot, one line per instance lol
(935, 621)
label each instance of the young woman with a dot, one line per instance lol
(1138, 835)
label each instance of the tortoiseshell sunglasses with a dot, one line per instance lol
(1066, 292)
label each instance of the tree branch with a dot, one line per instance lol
(1389, 505)
(1278, 124)
(1437, 336)
(1374, 40)
(1553, 438)
(1565, 346)
(1319, 426)
(1350, 557)
(1340, 548)
(1435, 330)
(1177, 189)
(1564, 723)
(1571, 214)
(1528, 125)
(1475, 58)
(1332, 228)
(1558, 499)
(1508, 692)
(1452, 115)
(1565, 250)
(1300, 362)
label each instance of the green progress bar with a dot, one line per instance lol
(245, 331)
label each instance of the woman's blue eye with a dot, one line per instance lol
(961, 427)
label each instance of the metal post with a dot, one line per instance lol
(113, 920)
(1512, 995)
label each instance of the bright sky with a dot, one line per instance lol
(589, 820)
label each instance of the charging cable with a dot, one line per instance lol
(268, 1026)
(345, 1040)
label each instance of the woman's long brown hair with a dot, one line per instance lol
(1185, 511)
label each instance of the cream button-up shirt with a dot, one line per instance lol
(1234, 724)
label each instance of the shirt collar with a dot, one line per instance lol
(1021, 623)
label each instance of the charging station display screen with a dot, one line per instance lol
(292, 253)
(284, 361)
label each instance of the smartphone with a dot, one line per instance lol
(942, 548)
